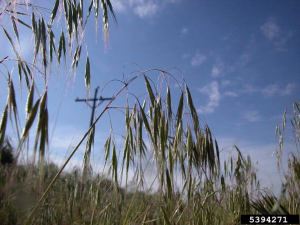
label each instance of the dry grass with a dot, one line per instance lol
(180, 146)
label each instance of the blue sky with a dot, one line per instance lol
(240, 60)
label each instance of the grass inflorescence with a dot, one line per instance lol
(190, 184)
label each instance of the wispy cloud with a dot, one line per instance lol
(217, 69)
(225, 83)
(288, 89)
(220, 68)
(185, 56)
(270, 90)
(251, 116)
(280, 44)
(249, 89)
(212, 90)
(270, 29)
(198, 59)
(146, 9)
(244, 59)
(143, 8)
(230, 94)
(184, 30)
(276, 34)
(119, 5)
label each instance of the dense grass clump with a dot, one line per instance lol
(6, 153)
(99, 202)
(193, 186)
(217, 199)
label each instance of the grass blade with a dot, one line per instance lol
(166, 219)
(150, 92)
(51, 46)
(61, 46)
(21, 22)
(111, 10)
(11, 42)
(87, 153)
(3, 125)
(54, 11)
(146, 124)
(13, 104)
(30, 99)
(169, 104)
(87, 76)
(30, 118)
(15, 28)
(115, 164)
(179, 110)
(2, 60)
(192, 108)
(169, 184)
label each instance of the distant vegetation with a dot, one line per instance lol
(195, 187)
(6, 153)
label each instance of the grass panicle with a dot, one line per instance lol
(167, 167)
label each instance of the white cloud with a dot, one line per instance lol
(245, 59)
(146, 9)
(118, 5)
(185, 56)
(133, 2)
(217, 69)
(230, 94)
(220, 68)
(270, 90)
(280, 44)
(270, 29)
(288, 89)
(251, 116)
(198, 59)
(225, 83)
(173, 1)
(249, 89)
(212, 90)
(276, 34)
(184, 30)
(142, 8)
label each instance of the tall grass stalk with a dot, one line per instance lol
(193, 186)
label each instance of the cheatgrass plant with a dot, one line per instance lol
(288, 200)
(191, 184)
(193, 188)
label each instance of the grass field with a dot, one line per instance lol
(206, 197)
(194, 186)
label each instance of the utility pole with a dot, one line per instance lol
(94, 100)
